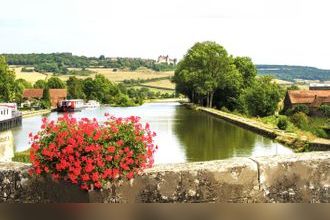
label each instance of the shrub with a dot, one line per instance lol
(90, 154)
(224, 109)
(262, 98)
(320, 132)
(301, 108)
(325, 109)
(282, 123)
(300, 120)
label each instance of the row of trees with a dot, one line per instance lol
(209, 76)
(101, 89)
(60, 62)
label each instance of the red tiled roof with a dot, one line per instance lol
(32, 93)
(58, 93)
(317, 97)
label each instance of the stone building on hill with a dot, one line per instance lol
(166, 59)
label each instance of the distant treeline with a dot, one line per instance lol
(291, 73)
(60, 62)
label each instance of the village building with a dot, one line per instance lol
(311, 98)
(56, 95)
(9, 116)
(7, 110)
(166, 59)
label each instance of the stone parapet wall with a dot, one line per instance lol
(303, 177)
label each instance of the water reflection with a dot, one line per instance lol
(182, 134)
(206, 137)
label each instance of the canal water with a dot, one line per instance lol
(182, 134)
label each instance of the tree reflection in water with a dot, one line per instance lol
(205, 137)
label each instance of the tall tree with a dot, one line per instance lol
(263, 97)
(55, 83)
(7, 82)
(248, 70)
(204, 68)
(75, 88)
(40, 84)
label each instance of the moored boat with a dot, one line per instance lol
(70, 105)
(92, 104)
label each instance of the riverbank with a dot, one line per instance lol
(26, 114)
(297, 142)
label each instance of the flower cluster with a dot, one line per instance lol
(90, 154)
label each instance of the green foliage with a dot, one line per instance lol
(262, 98)
(205, 68)
(325, 109)
(224, 109)
(75, 88)
(40, 84)
(27, 70)
(8, 87)
(82, 72)
(55, 83)
(290, 73)
(45, 101)
(24, 83)
(300, 120)
(282, 123)
(301, 108)
(246, 67)
(60, 62)
(101, 89)
(23, 157)
(293, 87)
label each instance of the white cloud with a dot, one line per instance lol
(269, 31)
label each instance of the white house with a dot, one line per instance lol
(7, 110)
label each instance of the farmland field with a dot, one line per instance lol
(31, 77)
(117, 76)
(164, 84)
(138, 74)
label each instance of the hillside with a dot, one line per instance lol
(290, 73)
(59, 63)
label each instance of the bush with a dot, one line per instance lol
(320, 132)
(300, 120)
(90, 154)
(262, 98)
(224, 109)
(301, 108)
(325, 109)
(282, 123)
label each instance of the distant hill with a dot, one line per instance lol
(290, 73)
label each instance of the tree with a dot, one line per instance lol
(75, 88)
(40, 84)
(24, 83)
(248, 70)
(45, 101)
(262, 98)
(55, 83)
(205, 68)
(293, 87)
(7, 82)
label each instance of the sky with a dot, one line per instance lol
(293, 32)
